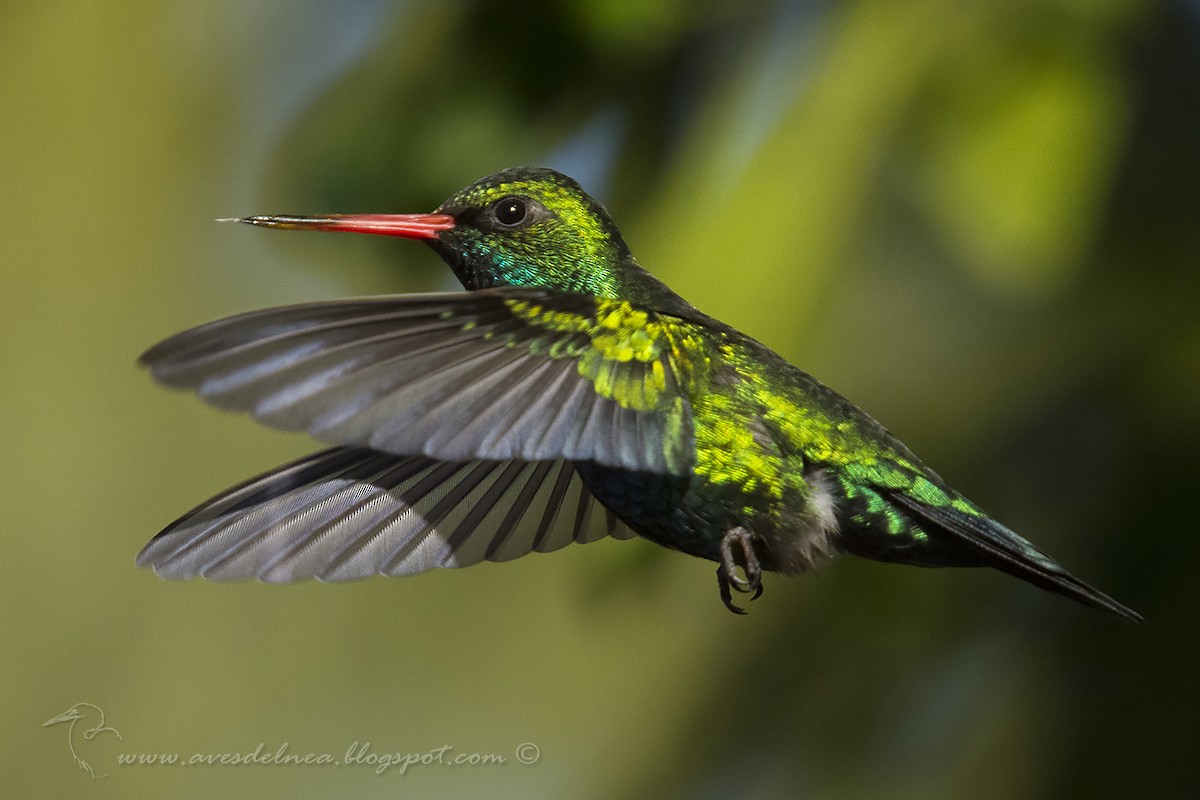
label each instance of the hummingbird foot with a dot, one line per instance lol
(727, 575)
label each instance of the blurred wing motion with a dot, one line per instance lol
(351, 512)
(496, 374)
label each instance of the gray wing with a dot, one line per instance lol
(495, 374)
(349, 512)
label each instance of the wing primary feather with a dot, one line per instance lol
(583, 514)
(430, 520)
(459, 411)
(408, 405)
(268, 485)
(648, 442)
(624, 423)
(511, 421)
(536, 420)
(586, 445)
(366, 493)
(483, 412)
(356, 407)
(173, 360)
(246, 496)
(250, 529)
(435, 474)
(558, 432)
(484, 506)
(375, 472)
(518, 508)
(348, 362)
(352, 394)
(553, 506)
(457, 493)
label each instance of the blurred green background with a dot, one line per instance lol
(977, 220)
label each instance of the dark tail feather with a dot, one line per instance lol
(1008, 552)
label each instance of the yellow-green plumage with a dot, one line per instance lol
(480, 425)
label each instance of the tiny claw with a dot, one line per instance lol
(727, 576)
(726, 595)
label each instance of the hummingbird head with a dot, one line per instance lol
(532, 227)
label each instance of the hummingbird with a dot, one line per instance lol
(565, 396)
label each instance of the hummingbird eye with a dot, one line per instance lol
(510, 211)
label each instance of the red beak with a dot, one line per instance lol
(410, 226)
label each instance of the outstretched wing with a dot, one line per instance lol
(496, 374)
(351, 512)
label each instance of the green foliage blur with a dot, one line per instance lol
(977, 220)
